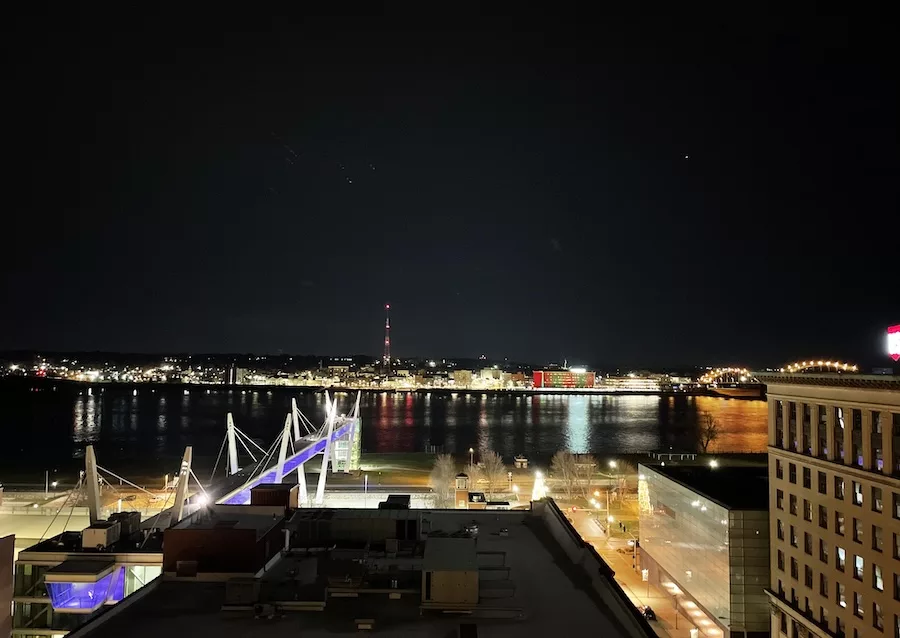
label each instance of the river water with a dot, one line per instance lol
(48, 427)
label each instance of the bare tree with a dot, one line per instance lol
(563, 466)
(442, 477)
(709, 430)
(585, 469)
(493, 470)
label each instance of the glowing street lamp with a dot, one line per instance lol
(471, 456)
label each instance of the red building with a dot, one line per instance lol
(563, 379)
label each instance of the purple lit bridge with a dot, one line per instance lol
(337, 440)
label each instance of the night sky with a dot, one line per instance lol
(712, 189)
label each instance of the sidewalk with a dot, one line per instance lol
(630, 580)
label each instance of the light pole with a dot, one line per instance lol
(366, 491)
(471, 456)
(516, 492)
(46, 483)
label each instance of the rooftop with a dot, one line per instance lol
(217, 517)
(844, 380)
(734, 488)
(450, 554)
(70, 543)
(542, 593)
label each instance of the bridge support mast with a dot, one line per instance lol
(232, 447)
(323, 472)
(92, 480)
(301, 470)
(184, 477)
(282, 453)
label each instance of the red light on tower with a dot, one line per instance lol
(893, 342)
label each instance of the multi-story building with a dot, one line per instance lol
(704, 539)
(834, 492)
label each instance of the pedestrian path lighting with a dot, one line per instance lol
(540, 488)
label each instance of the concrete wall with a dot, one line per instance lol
(601, 576)
(454, 587)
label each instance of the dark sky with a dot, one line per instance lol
(656, 191)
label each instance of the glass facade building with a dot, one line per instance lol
(705, 552)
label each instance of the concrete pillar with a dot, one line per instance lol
(867, 454)
(814, 429)
(801, 444)
(829, 432)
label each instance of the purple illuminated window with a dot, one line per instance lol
(86, 597)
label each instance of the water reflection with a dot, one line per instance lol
(164, 420)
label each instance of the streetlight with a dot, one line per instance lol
(516, 491)
(714, 464)
(471, 456)
(54, 484)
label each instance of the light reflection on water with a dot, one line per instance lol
(160, 423)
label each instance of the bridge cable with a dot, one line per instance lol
(68, 496)
(218, 458)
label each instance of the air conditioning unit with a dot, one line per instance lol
(100, 535)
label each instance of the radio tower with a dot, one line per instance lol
(386, 359)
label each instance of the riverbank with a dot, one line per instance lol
(754, 392)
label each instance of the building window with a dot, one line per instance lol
(896, 546)
(823, 483)
(839, 432)
(841, 595)
(793, 499)
(780, 560)
(779, 425)
(896, 497)
(838, 523)
(823, 517)
(841, 559)
(877, 540)
(783, 626)
(793, 537)
(857, 530)
(807, 511)
(805, 431)
(839, 627)
(839, 488)
(779, 529)
(896, 585)
(792, 473)
(877, 505)
(823, 585)
(807, 478)
(856, 437)
(823, 616)
(895, 435)
(808, 576)
(779, 499)
(823, 432)
(877, 617)
(857, 493)
(823, 551)
(807, 543)
(877, 441)
(779, 469)
(858, 604)
(795, 569)
(877, 577)
(858, 567)
(792, 426)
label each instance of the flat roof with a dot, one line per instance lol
(543, 596)
(82, 566)
(734, 488)
(70, 543)
(260, 523)
(450, 555)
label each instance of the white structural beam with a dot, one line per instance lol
(92, 479)
(232, 448)
(184, 477)
(282, 453)
(295, 418)
(301, 483)
(323, 472)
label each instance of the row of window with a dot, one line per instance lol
(876, 495)
(859, 610)
(877, 538)
(859, 569)
(839, 526)
(802, 429)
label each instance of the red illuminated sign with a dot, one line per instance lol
(893, 342)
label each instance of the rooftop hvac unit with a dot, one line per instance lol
(130, 522)
(100, 535)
